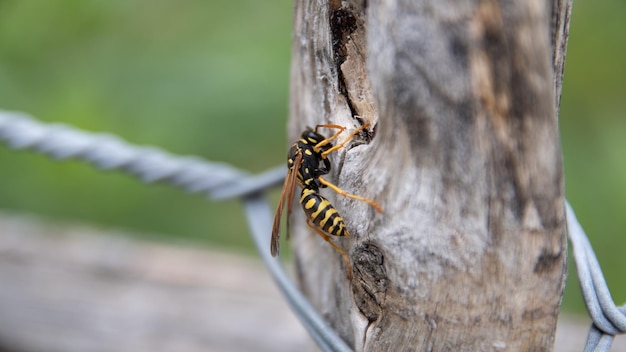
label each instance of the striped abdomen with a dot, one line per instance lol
(322, 213)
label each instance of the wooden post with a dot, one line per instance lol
(463, 156)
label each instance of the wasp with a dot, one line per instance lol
(307, 163)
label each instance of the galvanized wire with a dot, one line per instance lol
(221, 181)
(150, 164)
(259, 215)
(608, 319)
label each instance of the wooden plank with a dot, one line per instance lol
(79, 289)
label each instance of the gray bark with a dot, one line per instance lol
(464, 157)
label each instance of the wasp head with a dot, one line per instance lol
(315, 138)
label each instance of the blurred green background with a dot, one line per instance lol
(198, 77)
(211, 79)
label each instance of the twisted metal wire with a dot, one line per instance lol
(150, 164)
(608, 319)
(221, 181)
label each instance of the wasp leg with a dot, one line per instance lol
(329, 139)
(331, 125)
(330, 241)
(340, 145)
(349, 195)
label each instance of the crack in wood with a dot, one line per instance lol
(342, 24)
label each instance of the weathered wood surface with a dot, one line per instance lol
(76, 289)
(464, 156)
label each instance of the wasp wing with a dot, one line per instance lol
(287, 193)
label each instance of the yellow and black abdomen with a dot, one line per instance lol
(319, 210)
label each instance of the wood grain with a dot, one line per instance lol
(464, 157)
